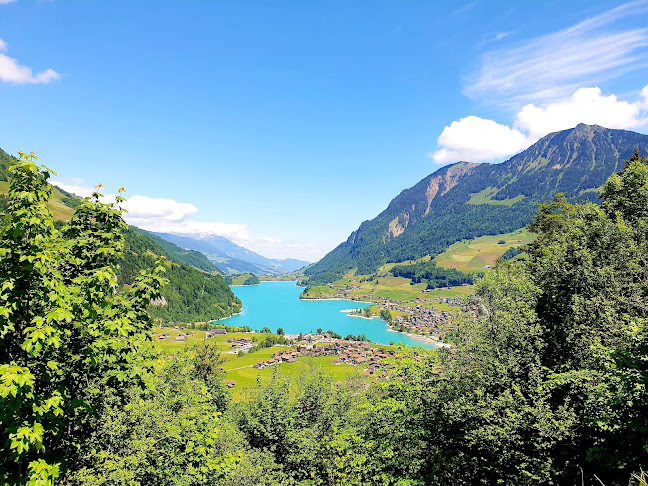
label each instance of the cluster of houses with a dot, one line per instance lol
(342, 352)
(419, 318)
(240, 344)
(289, 356)
(215, 332)
(181, 337)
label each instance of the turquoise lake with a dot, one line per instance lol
(277, 304)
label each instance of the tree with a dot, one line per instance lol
(173, 432)
(280, 331)
(66, 336)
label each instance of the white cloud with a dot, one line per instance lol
(195, 228)
(12, 72)
(276, 248)
(169, 216)
(551, 67)
(143, 207)
(77, 187)
(4, 2)
(476, 139)
(163, 215)
(586, 105)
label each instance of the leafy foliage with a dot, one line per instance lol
(511, 253)
(546, 381)
(65, 334)
(173, 432)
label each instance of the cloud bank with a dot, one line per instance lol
(477, 139)
(12, 72)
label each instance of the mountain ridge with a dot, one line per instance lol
(232, 258)
(467, 200)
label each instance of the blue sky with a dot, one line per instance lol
(284, 125)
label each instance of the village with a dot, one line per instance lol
(342, 353)
(418, 316)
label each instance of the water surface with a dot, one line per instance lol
(277, 304)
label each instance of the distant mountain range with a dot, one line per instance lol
(467, 200)
(232, 258)
(209, 254)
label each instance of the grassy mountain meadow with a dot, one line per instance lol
(467, 200)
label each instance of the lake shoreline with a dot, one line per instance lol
(333, 299)
(420, 337)
(228, 317)
(279, 306)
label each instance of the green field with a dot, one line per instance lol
(247, 377)
(396, 288)
(239, 368)
(240, 278)
(472, 255)
(285, 277)
(478, 254)
(219, 341)
(486, 197)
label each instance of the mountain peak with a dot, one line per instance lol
(467, 200)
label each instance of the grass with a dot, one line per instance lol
(60, 211)
(476, 254)
(239, 279)
(220, 341)
(239, 368)
(468, 255)
(358, 287)
(247, 377)
(249, 359)
(486, 197)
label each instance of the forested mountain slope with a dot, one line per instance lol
(195, 291)
(191, 295)
(180, 255)
(467, 200)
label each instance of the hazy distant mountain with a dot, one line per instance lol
(232, 258)
(466, 200)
